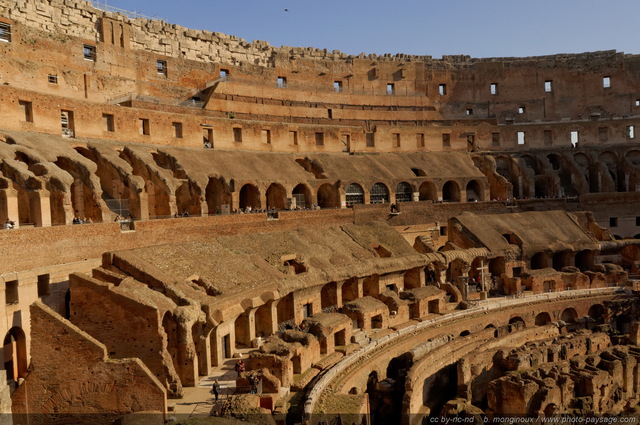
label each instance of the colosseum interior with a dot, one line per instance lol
(377, 238)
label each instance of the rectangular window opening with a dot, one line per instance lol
(446, 140)
(637, 221)
(224, 73)
(237, 135)
(442, 89)
(27, 110)
(266, 136)
(495, 139)
(493, 89)
(469, 111)
(606, 82)
(43, 285)
(144, 127)
(613, 221)
(5, 32)
(161, 67)
(89, 52)
(11, 293)
(370, 140)
(637, 102)
(548, 87)
(282, 82)
(294, 137)
(603, 134)
(631, 132)
(521, 137)
(521, 110)
(391, 89)
(420, 140)
(548, 137)
(67, 123)
(207, 138)
(396, 140)
(177, 130)
(319, 139)
(108, 122)
(575, 138)
(52, 79)
(337, 86)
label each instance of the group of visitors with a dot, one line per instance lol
(83, 220)
(9, 224)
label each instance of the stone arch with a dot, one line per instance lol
(249, 197)
(428, 191)
(584, 260)
(188, 199)
(597, 313)
(561, 167)
(569, 315)
(561, 259)
(328, 196)
(543, 318)
(350, 290)
(474, 191)
(412, 278)
(539, 260)
(379, 194)
(217, 194)
(371, 286)
(329, 296)
(15, 354)
(404, 192)
(285, 309)
(589, 172)
(264, 320)
(242, 330)
(276, 197)
(611, 163)
(451, 191)
(529, 161)
(354, 194)
(517, 319)
(302, 195)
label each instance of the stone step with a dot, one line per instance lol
(359, 337)
(348, 349)
(328, 361)
(301, 381)
(377, 334)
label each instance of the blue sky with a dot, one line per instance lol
(479, 28)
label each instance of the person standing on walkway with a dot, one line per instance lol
(216, 389)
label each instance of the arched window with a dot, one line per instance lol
(404, 192)
(355, 194)
(379, 194)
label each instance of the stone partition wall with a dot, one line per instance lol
(72, 375)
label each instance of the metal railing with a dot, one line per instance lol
(131, 14)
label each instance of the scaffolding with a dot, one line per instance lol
(131, 14)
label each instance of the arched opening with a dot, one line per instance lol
(188, 199)
(561, 259)
(465, 333)
(302, 196)
(566, 184)
(217, 194)
(584, 260)
(543, 318)
(242, 331)
(539, 260)
(328, 196)
(329, 296)
(354, 194)
(264, 320)
(451, 192)
(428, 192)
(518, 322)
(350, 290)
(404, 192)
(588, 171)
(15, 354)
(412, 278)
(597, 313)
(610, 162)
(276, 197)
(474, 191)
(569, 315)
(379, 194)
(285, 310)
(249, 197)
(371, 286)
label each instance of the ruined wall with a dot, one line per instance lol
(88, 383)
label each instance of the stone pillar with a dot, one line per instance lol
(9, 206)
(40, 208)
(634, 334)
(392, 197)
(144, 206)
(367, 197)
(343, 199)
(235, 201)
(263, 201)
(416, 197)
(339, 294)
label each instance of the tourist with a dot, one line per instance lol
(216, 389)
(9, 224)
